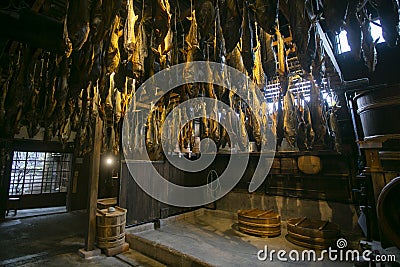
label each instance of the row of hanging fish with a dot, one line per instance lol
(305, 125)
(114, 46)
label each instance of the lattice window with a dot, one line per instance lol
(39, 173)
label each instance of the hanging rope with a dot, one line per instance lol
(213, 177)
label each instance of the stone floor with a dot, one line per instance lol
(213, 239)
(201, 238)
(34, 212)
(54, 240)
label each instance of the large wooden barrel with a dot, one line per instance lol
(379, 108)
(110, 227)
(259, 222)
(388, 208)
(312, 233)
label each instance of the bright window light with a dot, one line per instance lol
(343, 44)
(376, 31)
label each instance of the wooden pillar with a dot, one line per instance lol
(374, 166)
(5, 175)
(93, 186)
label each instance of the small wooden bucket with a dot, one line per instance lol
(110, 227)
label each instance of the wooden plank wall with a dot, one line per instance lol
(333, 183)
(141, 207)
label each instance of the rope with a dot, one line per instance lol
(210, 188)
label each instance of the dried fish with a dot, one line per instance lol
(289, 119)
(258, 77)
(254, 123)
(317, 117)
(140, 52)
(368, 46)
(301, 137)
(214, 124)
(353, 29)
(318, 65)
(78, 22)
(205, 16)
(129, 30)
(231, 22)
(282, 63)
(247, 42)
(264, 124)
(150, 131)
(279, 123)
(388, 11)
(113, 56)
(268, 56)
(118, 106)
(266, 13)
(273, 117)
(205, 131)
(243, 132)
(300, 26)
(335, 14)
(335, 127)
(310, 135)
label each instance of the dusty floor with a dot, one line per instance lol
(53, 240)
(213, 238)
(35, 212)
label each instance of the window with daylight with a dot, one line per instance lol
(39, 173)
(376, 33)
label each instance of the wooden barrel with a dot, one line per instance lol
(378, 108)
(309, 164)
(110, 227)
(259, 222)
(311, 233)
(389, 211)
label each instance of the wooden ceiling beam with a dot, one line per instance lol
(29, 27)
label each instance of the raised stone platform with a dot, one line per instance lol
(210, 238)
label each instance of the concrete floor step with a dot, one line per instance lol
(135, 258)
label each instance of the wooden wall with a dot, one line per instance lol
(334, 183)
(141, 207)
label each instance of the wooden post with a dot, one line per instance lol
(374, 166)
(5, 174)
(93, 186)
